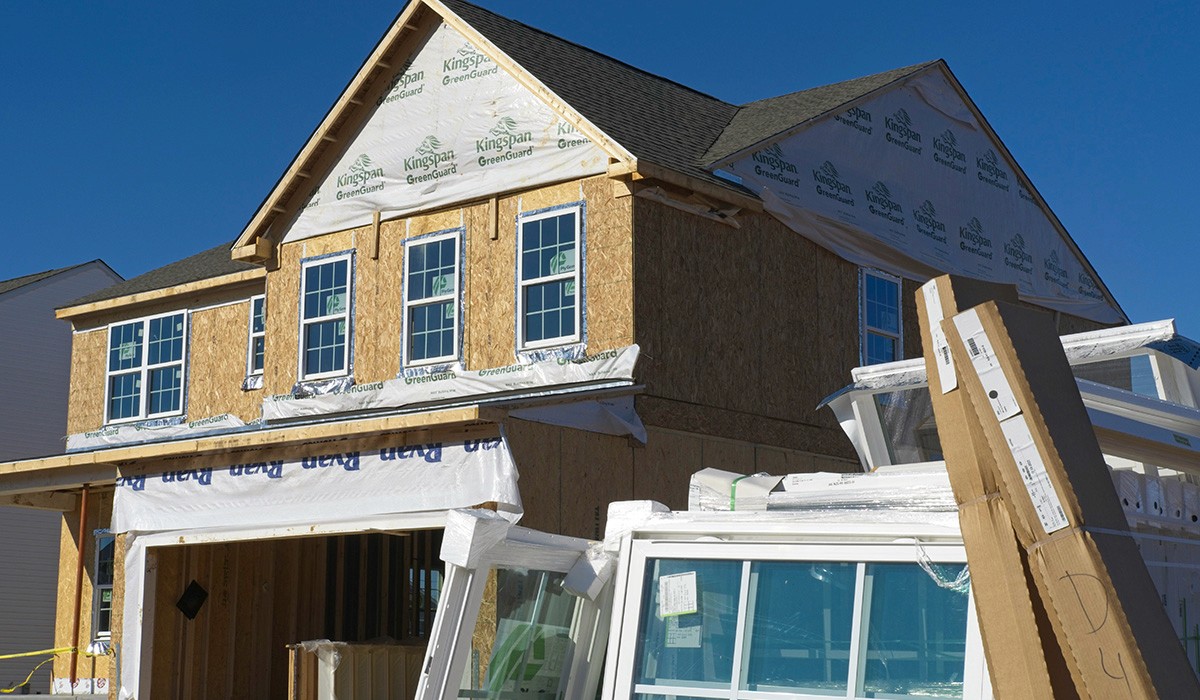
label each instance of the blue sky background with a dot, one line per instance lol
(143, 131)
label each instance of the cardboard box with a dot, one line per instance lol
(1059, 493)
(1019, 642)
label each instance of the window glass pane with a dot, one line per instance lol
(909, 426)
(125, 346)
(325, 289)
(880, 348)
(166, 389)
(104, 560)
(548, 246)
(166, 340)
(680, 647)
(256, 364)
(431, 270)
(549, 310)
(324, 344)
(1129, 373)
(124, 395)
(257, 323)
(431, 331)
(882, 302)
(916, 635)
(799, 635)
(522, 645)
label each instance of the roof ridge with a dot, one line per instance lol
(903, 70)
(630, 66)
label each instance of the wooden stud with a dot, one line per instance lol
(494, 218)
(373, 241)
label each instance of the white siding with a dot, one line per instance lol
(35, 356)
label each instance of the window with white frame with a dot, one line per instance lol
(325, 317)
(431, 284)
(879, 315)
(778, 627)
(256, 347)
(102, 585)
(548, 278)
(144, 377)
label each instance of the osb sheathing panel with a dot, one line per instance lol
(756, 322)
(85, 409)
(217, 364)
(99, 511)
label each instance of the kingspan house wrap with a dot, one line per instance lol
(502, 253)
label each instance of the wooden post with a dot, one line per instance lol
(79, 541)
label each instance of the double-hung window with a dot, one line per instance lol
(431, 284)
(102, 586)
(145, 368)
(549, 312)
(256, 348)
(325, 317)
(879, 313)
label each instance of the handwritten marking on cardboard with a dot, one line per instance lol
(1034, 474)
(1001, 396)
(941, 347)
(677, 594)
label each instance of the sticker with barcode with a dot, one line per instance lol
(987, 365)
(1034, 475)
(941, 348)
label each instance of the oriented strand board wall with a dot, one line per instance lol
(743, 331)
(217, 364)
(88, 361)
(99, 511)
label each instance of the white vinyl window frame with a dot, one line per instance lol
(867, 330)
(452, 294)
(144, 369)
(633, 574)
(573, 277)
(343, 315)
(102, 586)
(463, 590)
(258, 310)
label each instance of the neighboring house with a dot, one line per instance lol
(35, 362)
(502, 251)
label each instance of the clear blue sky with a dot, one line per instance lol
(143, 131)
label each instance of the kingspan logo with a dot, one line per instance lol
(314, 198)
(972, 239)
(1054, 273)
(989, 170)
(1025, 196)
(772, 164)
(881, 204)
(1088, 287)
(357, 179)
(856, 118)
(468, 63)
(569, 137)
(1016, 257)
(829, 184)
(945, 151)
(430, 161)
(928, 223)
(901, 133)
(500, 145)
(403, 84)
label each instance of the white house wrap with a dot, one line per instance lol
(911, 183)
(321, 488)
(450, 126)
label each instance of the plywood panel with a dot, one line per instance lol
(668, 460)
(217, 364)
(86, 408)
(596, 470)
(537, 451)
(490, 291)
(99, 512)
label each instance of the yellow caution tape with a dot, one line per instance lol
(36, 653)
(51, 652)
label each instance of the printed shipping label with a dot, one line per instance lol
(983, 358)
(1033, 472)
(677, 594)
(941, 348)
(680, 636)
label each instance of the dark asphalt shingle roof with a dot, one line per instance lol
(213, 262)
(18, 282)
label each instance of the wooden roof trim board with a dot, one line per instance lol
(100, 466)
(253, 246)
(203, 285)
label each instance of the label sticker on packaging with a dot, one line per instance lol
(983, 358)
(677, 594)
(1033, 472)
(682, 636)
(941, 348)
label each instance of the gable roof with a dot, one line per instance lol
(214, 262)
(7, 286)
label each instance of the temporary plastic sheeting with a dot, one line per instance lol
(449, 127)
(451, 384)
(610, 416)
(321, 488)
(911, 183)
